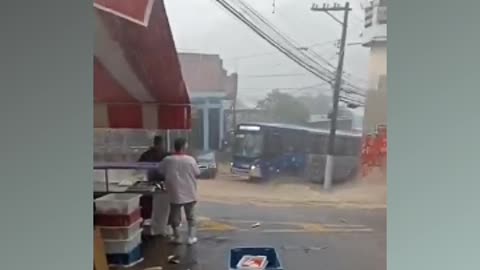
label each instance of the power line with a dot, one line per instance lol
(327, 61)
(289, 49)
(250, 56)
(310, 57)
(303, 88)
(269, 39)
(344, 98)
(281, 35)
(274, 75)
(318, 44)
(324, 73)
(288, 88)
(286, 39)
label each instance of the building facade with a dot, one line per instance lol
(212, 91)
(375, 38)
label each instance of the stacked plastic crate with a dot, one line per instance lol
(119, 218)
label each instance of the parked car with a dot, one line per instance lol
(207, 163)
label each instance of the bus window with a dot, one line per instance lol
(274, 147)
(319, 144)
(248, 145)
(294, 142)
(309, 143)
(299, 141)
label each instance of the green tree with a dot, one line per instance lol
(284, 108)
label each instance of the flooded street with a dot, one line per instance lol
(310, 228)
(306, 237)
(226, 188)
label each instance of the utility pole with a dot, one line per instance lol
(329, 165)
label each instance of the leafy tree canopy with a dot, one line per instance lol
(284, 108)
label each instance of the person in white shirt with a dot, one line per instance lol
(181, 172)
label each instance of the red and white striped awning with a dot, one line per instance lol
(137, 77)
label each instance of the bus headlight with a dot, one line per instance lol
(255, 171)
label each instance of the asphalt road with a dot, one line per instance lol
(317, 238)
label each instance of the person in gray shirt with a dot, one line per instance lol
(181, 172)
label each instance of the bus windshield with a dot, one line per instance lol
(248, 145)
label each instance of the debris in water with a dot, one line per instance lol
(288, 248)
(305, 249)
(318, 248)
(256, 225)
(173, 259)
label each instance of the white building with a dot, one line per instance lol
(375, 38)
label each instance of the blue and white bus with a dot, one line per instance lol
(267, 150)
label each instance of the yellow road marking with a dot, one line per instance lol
(344, 226)
(309, 231)
(207, 224)
(310, 204)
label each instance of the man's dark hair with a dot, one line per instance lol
(157, 140)
(179, 144)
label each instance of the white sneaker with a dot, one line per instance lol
(192, 240)
(175, 237)
(192, 232)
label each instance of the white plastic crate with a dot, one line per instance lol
(123, 246)
(117, 203)
(120, 233)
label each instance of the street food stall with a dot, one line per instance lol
(137, 85)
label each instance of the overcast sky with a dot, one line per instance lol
(204, 26)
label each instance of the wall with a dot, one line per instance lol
(375, 110)
(376, 99)
(377, 65)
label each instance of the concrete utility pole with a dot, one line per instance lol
(329, 165)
